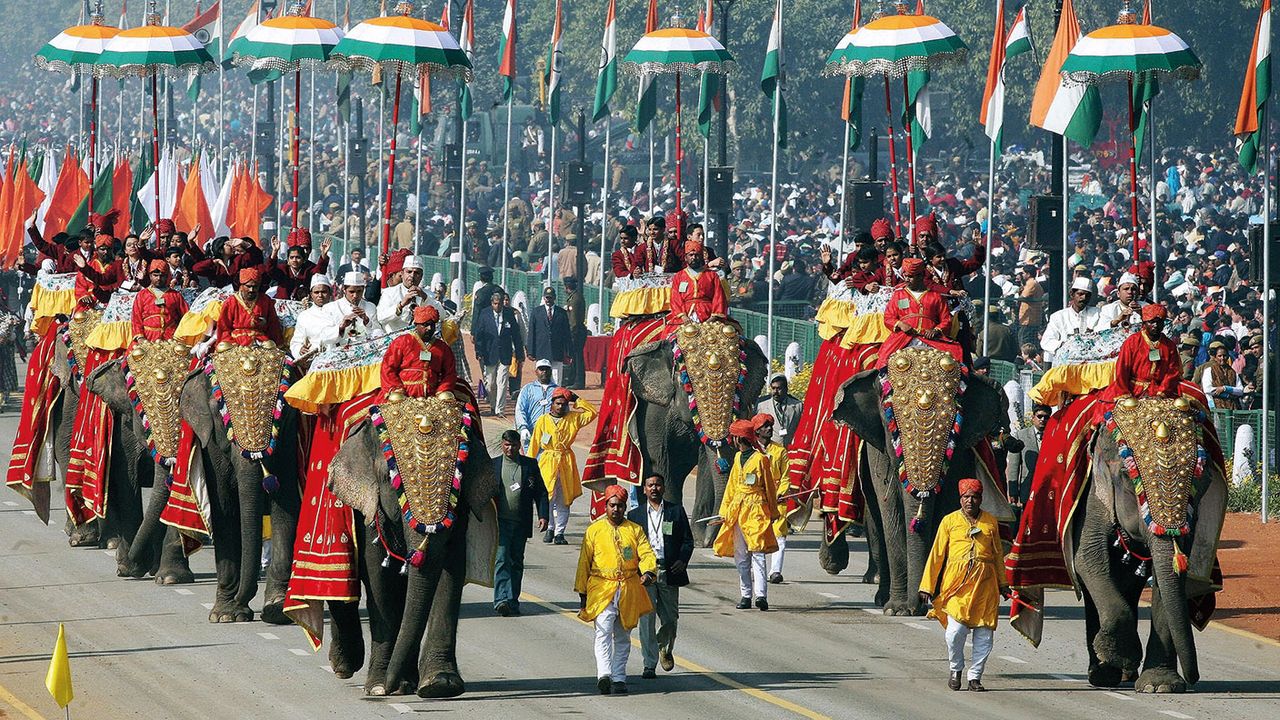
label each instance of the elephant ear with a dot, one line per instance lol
(59, 366)
(354, 472)
(652, 370)
(1211, 512)
(985, 409)
(196, 409)
(479, 481)
(858, 406)
(757, 374)
(107, 382)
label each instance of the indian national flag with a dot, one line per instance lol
(507, 53)
(607, 80)
(773, 77)
(551, 73)
(1059, 107)
(1257, 90)
(207, 27)
(992, 115)
(1019, 39)
(851, 103)
(647, 100)
(467, 41)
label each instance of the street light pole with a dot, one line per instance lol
(720, 240)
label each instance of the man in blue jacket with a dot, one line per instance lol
(522, 493)
(667, 527)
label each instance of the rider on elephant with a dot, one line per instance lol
(418, 363)
(249, 315)
(697, 295)
(1149, 364)
(916, 313)
(157, 309)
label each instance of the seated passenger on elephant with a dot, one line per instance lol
(1148, 364)
(916, 314)
(157, 309)
(697, 295)
(249, 316)
(863, 270)
(624, 258)
(418, 363)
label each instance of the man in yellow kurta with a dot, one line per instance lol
(615, 565)
(552, 444)
(777, 453)
(964, 581)
(747, 513)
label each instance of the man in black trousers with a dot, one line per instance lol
(522, 493)
(549, 334)
(667, 527)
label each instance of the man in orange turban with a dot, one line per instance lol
(696, 293)
(249, 316)
(917, 314)
(747, 513)
(1148, 364)
(418, 363)
(157, 309)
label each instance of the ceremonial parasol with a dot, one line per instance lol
(288, 44)
(1130, 52)
(678, 50)
(894, 46)
(75, 51)
(149, 51)
(400, 43)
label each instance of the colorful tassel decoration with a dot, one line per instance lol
(417, 558)
(1179, 560)
(722, 465)
(917, 526)
(386, 561)
(270, 483)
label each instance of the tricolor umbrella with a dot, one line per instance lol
(677, 50)
(1130, 52)
(150, 51)
(401, 44)
(288, 44)
(894, 46)
(76, 51)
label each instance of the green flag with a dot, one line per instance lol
(773, 77)
(1251, 114)
(101, 201)
(918, 111)
(1143, 93)
(607, 80)
(141, 174)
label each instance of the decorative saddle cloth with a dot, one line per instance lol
(249, 383)
(154, 373)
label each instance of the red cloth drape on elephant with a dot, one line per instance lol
(38, 395)
(91, 439)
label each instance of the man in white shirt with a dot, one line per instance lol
(1077, 317)
(352, 314)
(666, 526)
(1127, 307)
(315, 329)
(395, 308)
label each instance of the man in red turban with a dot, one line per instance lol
(881, 230)
(157, 309)
(418, 363)
(697, 294)
(293, 279)
(101, 275)
(916, 313)
(1148, 364)
(249, 315)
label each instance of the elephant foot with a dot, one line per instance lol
(130, 570)
(1104, 675)
(84, 535)
(870, 577)
(346, 662)
(833, 557)
(113, 543)
(444, 684)
(273, 614)
(1160, 680)
(901, 608)
(375, 690)
(175, 576)
(882, 597)
(229, 613)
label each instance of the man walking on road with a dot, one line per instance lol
(549, 334)
(534, 400)
(666, 526)
(497, 341)
(522, 493)
(552, 445)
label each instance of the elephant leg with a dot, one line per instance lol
(1160, 666)
(285, 507)
(346, 647)
(833, 553)
(174, 568)
(893, 528)
(124, 518)
(144, 552)
(419, 599)
(438, 666)
(1116, 645)
(249, 489)
(919, 543)
(710, 487)
(384, 595)
(226, 549)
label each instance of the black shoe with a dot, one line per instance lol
(976, 686)
(559, 540)
(515, 611)
(503, 608)
(649, 673)
(666, 660)
(605, 685)
(744, 603)
(548, 536)
(953, 681)
(775, 578)
(762, 603)
(619, 688)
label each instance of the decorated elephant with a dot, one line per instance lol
(689, 390)
(247, 440)
(1154, 509)
(69, 352)
(419, 477)
(143, 391)
(921, 423)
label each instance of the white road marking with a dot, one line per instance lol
(829, 595)
(1175, 714)
(109, 553)
(28, 512)
(268, 636)
(401, 708)
(207, 606)
(1014, 660)
(10, 503)
(1118, 696)
(918, 626)
(873, 611)
(326, 668)
(1065, 678)
(183, 591)
(302, 653)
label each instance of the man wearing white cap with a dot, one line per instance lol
(395, 308)
(315, 329)
(534, 400)
(1077, 317)
(1127, 307)
(354, 316)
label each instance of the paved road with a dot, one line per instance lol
(140, 650)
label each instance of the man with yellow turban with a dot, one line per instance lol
(747, 513)
(964, 580)
(614, 567)
(552, 444)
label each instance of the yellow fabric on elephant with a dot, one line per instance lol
(641, 301)
(610, 563)
(46, 303)
(837, 316)
(971, 565)
(196, 324)
(110, 336)
(552, 445)
(330, 387)
(1061, 381)
(778, 461)
(750, 503)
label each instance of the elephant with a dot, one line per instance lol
(240, 489)
(902, 524)
(61, 424)
(664, 428)
(400, 660)
(1107, 540)
(146, 545)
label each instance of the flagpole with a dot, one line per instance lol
(551, 222)
(253, 132)
(773, 198)
(382, 148)
(222, 90)
(417, 200)
(1066, 212)
(1133, 175)
(1151, 226)
(604, 216)
(1263, 434)
(295, 158)
(907, 131)
(844, 184)
(986, 266)
(506, 189)
(391, 170)
(651, 210)
(706, 179)
(346, 189)
(311, 155)
(893, 159)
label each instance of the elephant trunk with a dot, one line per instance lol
(1173, 605)
(418, 600)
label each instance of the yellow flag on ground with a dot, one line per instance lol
(58, 679)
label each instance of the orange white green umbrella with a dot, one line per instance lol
(894, 45)
(1129, 51)
(683, 50)
(288, 43)
(402, 43)
(154, 49)
(76, 49)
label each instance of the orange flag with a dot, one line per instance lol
(239, 199)
(121, 189)
(192, 208)
(27, 196)
(69, 191)
(6, 204)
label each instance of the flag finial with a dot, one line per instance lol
(1126, 16)
(404, 8)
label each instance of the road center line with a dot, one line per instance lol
(691, 666)
(400, 708)
(1014, 660)
(1175, 714)
(268, 636)
(918, 626)
(183, 591)
(24, 709)
(1118, 696)
(109, 553)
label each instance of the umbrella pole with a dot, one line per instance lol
(651, 210)
(893, 159)
(911, 166)
(679, 162)
(155, 147)
(844, 185)
(1133, 176)
(93, 137)
(295, 158)
(391, 169)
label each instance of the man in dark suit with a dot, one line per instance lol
(521, 494)
(667, 527)
(576, 309)
(549, 334)
(497, 339)
(1022, 464)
